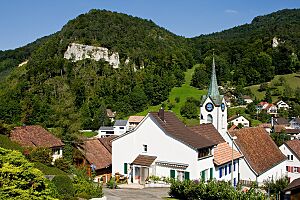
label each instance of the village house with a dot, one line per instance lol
(292, 191)
(120, 127)
(226, 160)
(280, 121)
(268, 107)
(282, 105)
(239, 119)
(36, 136)
(105, 131)
(291, 149)
(262, 158)
(247, 99)
(295, 123)
(134, 121)
(188, 154)
(111, 115)
(97, 157)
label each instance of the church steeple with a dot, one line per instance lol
(213, 90)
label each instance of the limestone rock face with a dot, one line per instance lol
(76, 52)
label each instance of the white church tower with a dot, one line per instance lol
(213, 108)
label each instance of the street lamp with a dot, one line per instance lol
(232, 139)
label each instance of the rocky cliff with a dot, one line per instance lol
(77, 52)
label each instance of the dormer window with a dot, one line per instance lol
(204, 152)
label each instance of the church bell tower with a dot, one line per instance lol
(213, 108)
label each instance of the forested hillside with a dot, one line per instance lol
(245, 54)
(57, 92)
(60, 93)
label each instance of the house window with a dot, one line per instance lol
(204, 152)
(287, 168)
(223, 121)
(220, 172)
(233, 166)
(229, 168)
(180, 175)
(209, 119)
(121, 127)
(225, 169)
(145, 148)
(292, 157)
(55, 151)
(295, 169)
(288, 157)
(201, 116)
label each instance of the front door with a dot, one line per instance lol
(144, 175)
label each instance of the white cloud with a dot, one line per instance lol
(230, 11)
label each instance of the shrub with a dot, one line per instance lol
(64, 186)
(212, 190)
(42, 155)
(62, 164)
(112, 183)
(177, 99)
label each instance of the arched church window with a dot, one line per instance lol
(209, 118)
(201, 116)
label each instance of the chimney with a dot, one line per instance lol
(161, 114)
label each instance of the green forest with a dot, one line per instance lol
(56, 92)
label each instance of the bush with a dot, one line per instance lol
(62, 164)
(177, 99)
(112, 183)
(42, 155)
(64, 186)
(212, 190)
(84, 187)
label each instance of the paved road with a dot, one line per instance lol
(143, 194)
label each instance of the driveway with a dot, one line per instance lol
(127, 194)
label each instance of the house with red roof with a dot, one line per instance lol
(36, 136)
(262, 160)
(291, 149)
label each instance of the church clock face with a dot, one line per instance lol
(209, 107)
(222, 107)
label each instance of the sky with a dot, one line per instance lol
(24, 21)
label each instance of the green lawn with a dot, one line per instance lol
(89, 134)
(293, 80)
(182, 92)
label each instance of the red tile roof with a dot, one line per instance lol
(208, 131)
(258, 148)
(223, 154)
(294, 185)
(178, 130)
(97, 151)
(34, 136)
(294, 146)
(144, 160)
(135, 119)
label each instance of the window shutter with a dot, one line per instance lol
(298, 169)
(187, 175)
(211, 173)
(292, 169)
(203, 175)
(125, 168)
(172, 173)
(220, 172)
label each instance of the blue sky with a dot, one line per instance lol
(23, 21)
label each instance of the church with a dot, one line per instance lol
(161, 145)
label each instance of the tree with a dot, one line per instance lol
(297, 94)
(200, 78)
(190, 108)
(268, 96)
(287, 92)
(275, 186)
(263, 87)
(280, 138)
(19, 178)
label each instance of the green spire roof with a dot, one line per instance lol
(213, 90)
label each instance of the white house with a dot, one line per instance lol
(295, 123)
(282, 105)
(224, 155)
(268, 107)
(291, 149)
(105, 131)
(120, 127)
(262, 158)
(239, 119)
(163, 146)
(247, 99)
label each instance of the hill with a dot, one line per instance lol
(59, 92)
(278, 86)
(253, 53)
